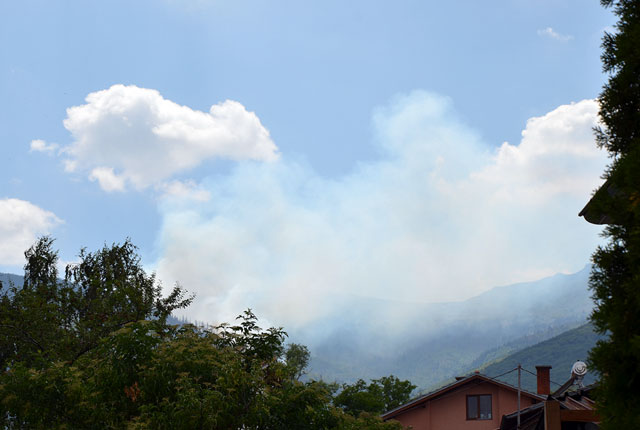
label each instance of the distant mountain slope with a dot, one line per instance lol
(7, 278)
(428, 343)
(560, 352)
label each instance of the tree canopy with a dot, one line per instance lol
(379, 396)
(49, 319)
(94, 350)
(615, 277)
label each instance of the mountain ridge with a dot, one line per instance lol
(441, 340)
(559, 352)
(430, 342)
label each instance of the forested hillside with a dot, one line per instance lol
(438, 341)
(559, 352)
(8, 278)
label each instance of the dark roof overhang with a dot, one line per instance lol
(476, 377)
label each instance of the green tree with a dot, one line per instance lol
(47, 324)
(378, 396)
(615, 277)
(48, 319)
(33, 318)
(94, 351)
(297, 359)
(395, 392)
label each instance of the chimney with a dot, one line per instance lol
(544, 380)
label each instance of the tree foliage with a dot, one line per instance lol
(379, 396)
(49, 319)
(297, 359)
(94, 350)
(615, 277)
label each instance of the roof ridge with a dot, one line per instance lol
(435, 393)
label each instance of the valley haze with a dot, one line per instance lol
(429, 343)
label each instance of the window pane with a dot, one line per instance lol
(485, 407)
(472, 407)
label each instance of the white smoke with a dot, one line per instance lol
(440, 216)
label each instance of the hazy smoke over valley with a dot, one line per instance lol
(389, 262)
(441, 215)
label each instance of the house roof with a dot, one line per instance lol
(529, 418)
(568, 396)
(478, 378)
(593, 211)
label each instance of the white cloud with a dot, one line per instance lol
(21, 223)
(107, 179)
(441, 216)
(129, 136)
(40, 145)
(550, 32)
(552, 158)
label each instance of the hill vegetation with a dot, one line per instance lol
(560, 352)
(94, 350)
(441, 340)
(9, 278)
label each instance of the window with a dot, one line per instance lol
(479, 407)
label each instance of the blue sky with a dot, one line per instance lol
(363, 150)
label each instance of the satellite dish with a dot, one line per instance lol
(578, 370)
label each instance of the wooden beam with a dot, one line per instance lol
(580, 415)
(552, 415)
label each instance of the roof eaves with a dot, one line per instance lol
(418, 401)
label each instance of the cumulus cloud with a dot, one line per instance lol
(127, 136)
(554, 157)
(21, 223)
(551, 33)
(107, 179)
(39, 145)
(440, 216)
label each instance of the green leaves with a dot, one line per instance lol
(50, 320)
(297, 358)
(615, 277)
(620, 98)
(378, 396)
(94, 351)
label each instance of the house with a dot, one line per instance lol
(568, 408)
(473, 402)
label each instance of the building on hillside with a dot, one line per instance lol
(568, 408)
(472, 402)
